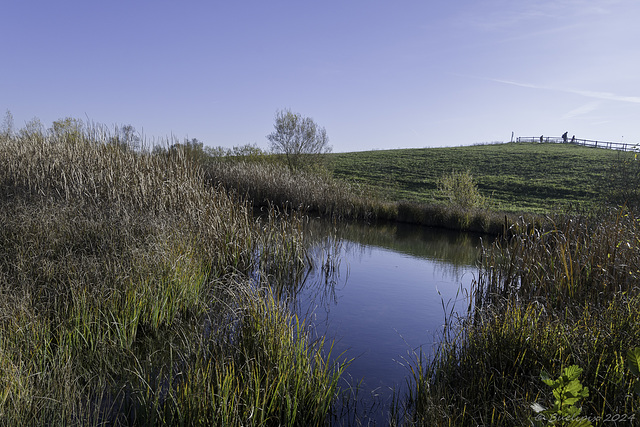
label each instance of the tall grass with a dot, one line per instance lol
(544, 300)
(118, 280)
(273, 376)
(455, 218)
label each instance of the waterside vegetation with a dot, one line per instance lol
(127, 296)
(137, 286)
(559, 288)
(265, 180)
(482, 188)
(544, 300)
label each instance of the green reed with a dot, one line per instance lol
(544, 299)
(273, 375)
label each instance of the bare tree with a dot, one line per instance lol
(298, 138)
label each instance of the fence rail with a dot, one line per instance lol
(622, 146)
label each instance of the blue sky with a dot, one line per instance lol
(375, 74)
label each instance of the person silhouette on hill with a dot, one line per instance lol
(564, 137)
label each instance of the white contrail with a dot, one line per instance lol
(587, 93)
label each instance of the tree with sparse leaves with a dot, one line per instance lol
(6, 132)
(69, 129)
(299, 138)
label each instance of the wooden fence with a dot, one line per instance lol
(622, 146)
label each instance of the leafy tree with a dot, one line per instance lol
(249, 152)
(193, 144)
(299, 138)
(129, 136)
(192, 148)
(159, 149)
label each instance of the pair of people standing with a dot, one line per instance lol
(565, 137)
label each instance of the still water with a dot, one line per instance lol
(383, 295)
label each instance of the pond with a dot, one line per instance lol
(383, 296)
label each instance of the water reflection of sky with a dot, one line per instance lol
(383, 306)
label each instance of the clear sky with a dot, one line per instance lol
(375, 74)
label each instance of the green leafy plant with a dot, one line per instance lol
(633, 359)
(461, 190)
(567, 391)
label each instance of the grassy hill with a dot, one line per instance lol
(516, 176)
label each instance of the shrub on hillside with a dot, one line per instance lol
(461, 190)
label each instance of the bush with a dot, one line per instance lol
(461, 190)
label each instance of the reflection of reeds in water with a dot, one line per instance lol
(329, 244)
(316, 285)
(281, 253)
(458, 248)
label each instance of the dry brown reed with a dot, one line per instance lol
(273, 183)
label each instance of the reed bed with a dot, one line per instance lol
(545, 299)
(123, 276)
(312, 191)
(274, 376)
(477, 220)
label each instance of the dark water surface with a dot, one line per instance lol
(383, 296)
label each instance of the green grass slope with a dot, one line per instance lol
(516, 176)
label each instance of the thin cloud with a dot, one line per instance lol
(607, 96)
(509, 82)
(502, 15)
(583, 109)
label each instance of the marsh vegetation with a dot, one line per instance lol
(127, 298)
(137, 286)
(558, 288)
(544, 300)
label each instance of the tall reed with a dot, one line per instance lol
(273, 375)
(544, 299)
(273, 183)
(117, 268)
